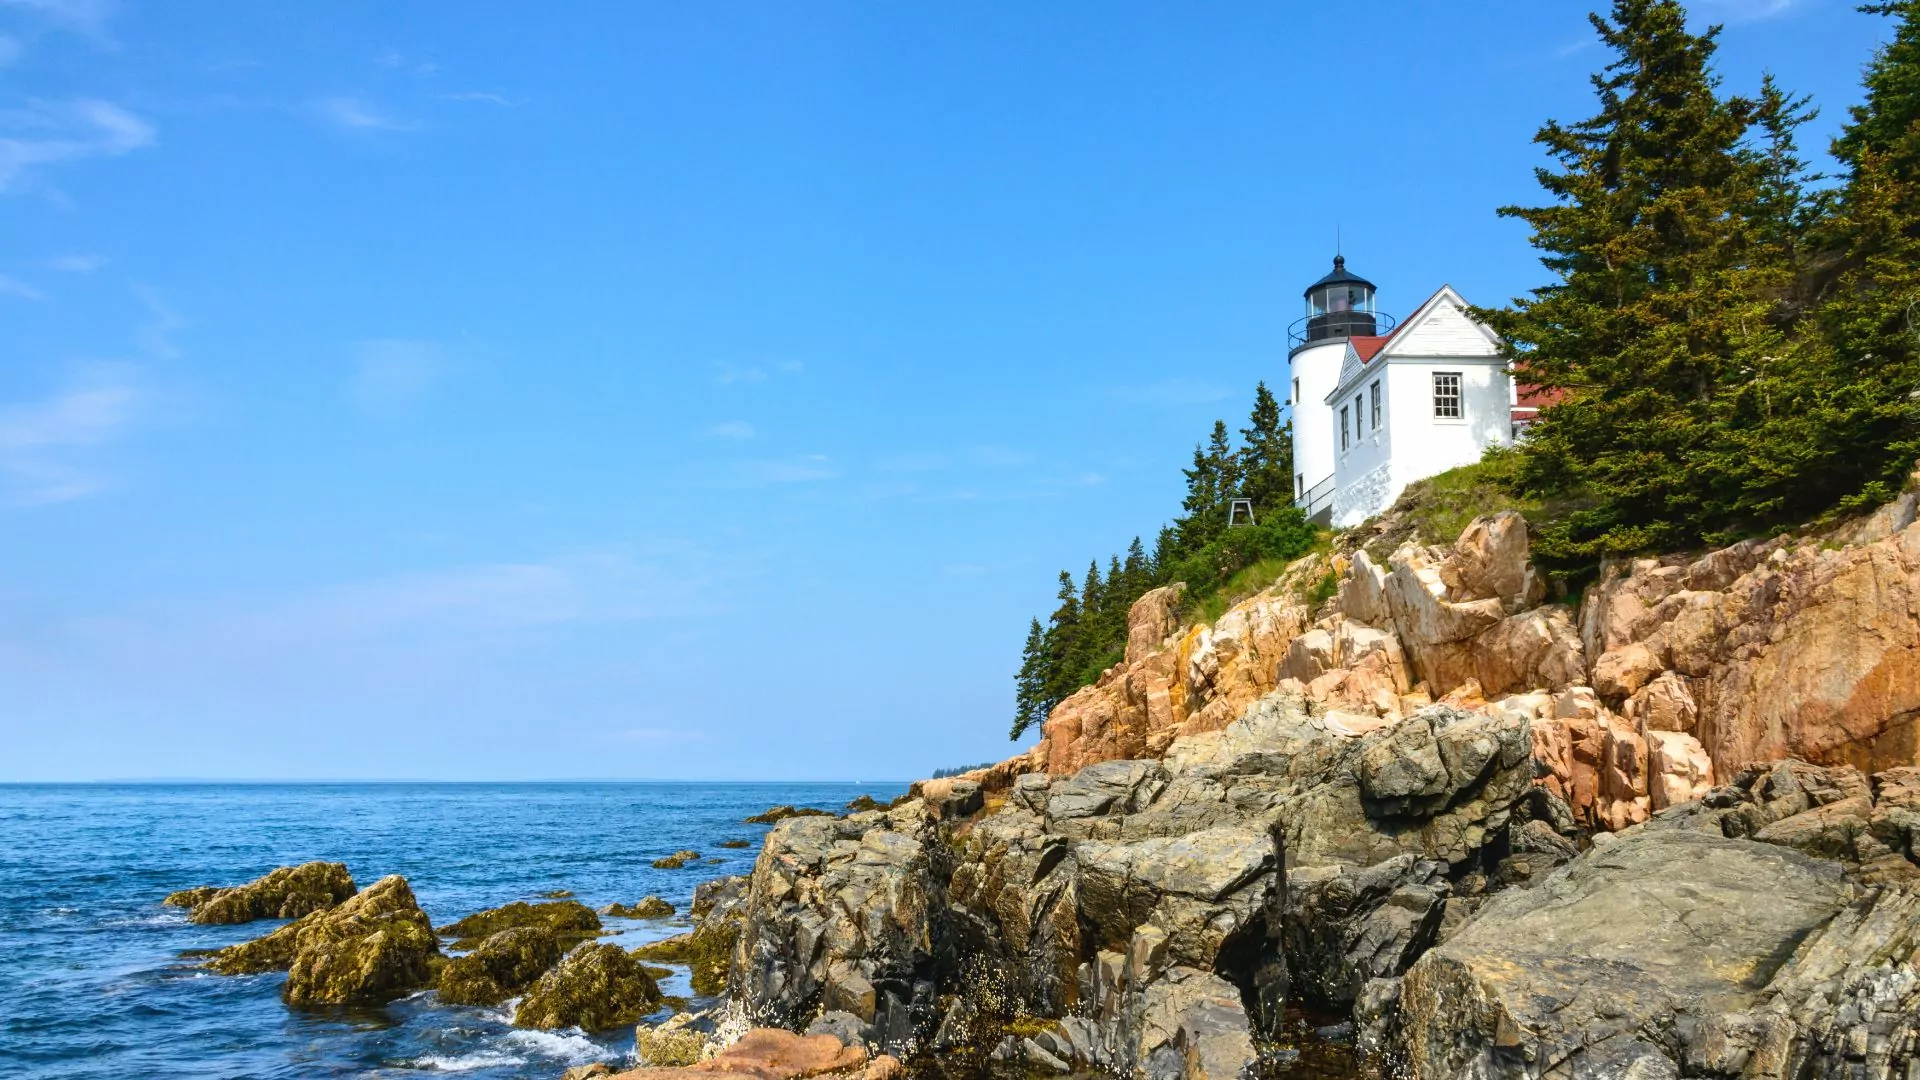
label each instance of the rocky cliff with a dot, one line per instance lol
(1672, 831)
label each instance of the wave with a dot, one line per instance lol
(571, 1046)
(484, 1059)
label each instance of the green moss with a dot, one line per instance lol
(677, 949)
(375, 946)
(672, 1044)
(191, 898)
(595, 987)
(503, 965)
(274, 952)
(1027, 1027)
(649, 907)
(372, 948)
(570, 920)
(286, 893)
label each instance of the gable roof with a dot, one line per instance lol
(1367, 345)
(1363, 353)
(1443, 302)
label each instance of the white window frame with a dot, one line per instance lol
(1373, 393)
(1459, 402)
(1346, 436)
(1359, 419)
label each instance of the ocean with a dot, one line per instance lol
(91, 982)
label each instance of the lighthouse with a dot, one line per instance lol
(1340, 307)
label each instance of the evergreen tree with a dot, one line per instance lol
(1030, 704)
(1869, 390)
(1059, 677)
(1120, 596)
(1138, 570)
(1665, 291)
(1087, 642)
(1266, 455)
(1214, 479)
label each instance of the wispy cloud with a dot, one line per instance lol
(806, 468)
(76, 264)
(353, 114)
(732, 429)
(391, 373)
(484, 97)
(395, 60)
(10, 286)
(10, 49)
(53, 133)
(43, 444)
(728, 374)
(1743, 11)
(589, 587)
(1175, 391)
(87, 17)
(156, 334)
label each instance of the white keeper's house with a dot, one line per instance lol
(1377, 406)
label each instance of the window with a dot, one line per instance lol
(1344, 440)
(1299, 485)
(1373, 392)
(1296, 393)
(1446, 395)
(1359, 420)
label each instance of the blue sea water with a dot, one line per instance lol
(91, 982)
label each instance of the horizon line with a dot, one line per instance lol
(263, 781)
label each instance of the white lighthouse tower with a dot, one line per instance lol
(1340, 306)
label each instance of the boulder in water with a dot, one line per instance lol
(570, 920)
(286, 893)
(504, 964)
(782, 813)
(649, 907)
(373, 947)
(597, 986)
(676, 860)
(734, 845)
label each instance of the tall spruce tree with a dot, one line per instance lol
(1870, 325)
(1030, 704)
(1266, 455)
(1663, 291)
(1214, 479)
(1058, 678)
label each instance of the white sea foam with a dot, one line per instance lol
(571, 1046)
(485, 1059)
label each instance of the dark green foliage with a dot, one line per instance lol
(1735, 350)
(1266, 457)
(1087, 632)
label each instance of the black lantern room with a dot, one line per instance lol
(1340, 305)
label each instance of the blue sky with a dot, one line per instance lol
(496, 391)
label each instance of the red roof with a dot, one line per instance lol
(1533, 397)
(1366, 346)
